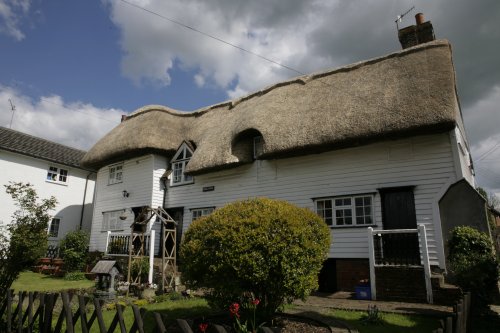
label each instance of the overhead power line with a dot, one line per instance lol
(212, 36)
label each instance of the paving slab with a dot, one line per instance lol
(344, 300)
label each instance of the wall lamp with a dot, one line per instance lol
(125, 194)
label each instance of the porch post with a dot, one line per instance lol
(108, 235)
(151, 255)
(371, 257)
(425, 262)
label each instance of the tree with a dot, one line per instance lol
(26, 239)
(269, 249)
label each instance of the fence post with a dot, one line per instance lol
(371, 257)
(9, 310)
(425, 262)
(151, 256)
(108, 235)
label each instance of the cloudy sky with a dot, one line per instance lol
(71, 68)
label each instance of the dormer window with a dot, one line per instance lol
(258, 146)
(179, 163)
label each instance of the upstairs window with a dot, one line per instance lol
(54, 227)
(248, 145)
(57, 175)
(179, 163)
(115, 174)
(199, 212)
(346, 210)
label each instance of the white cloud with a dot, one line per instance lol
(11, 14)
(75, 124)
(273, 29)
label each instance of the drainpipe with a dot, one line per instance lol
(84, 197)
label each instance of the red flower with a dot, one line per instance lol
(256, 301)
(203, 327)
(234, 310)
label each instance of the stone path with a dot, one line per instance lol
(317, 305)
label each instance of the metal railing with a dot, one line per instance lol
(399, 247)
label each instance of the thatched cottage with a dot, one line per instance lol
(379, 143)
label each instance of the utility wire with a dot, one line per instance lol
(212, 36)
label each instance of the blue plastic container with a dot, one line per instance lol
(363, 292)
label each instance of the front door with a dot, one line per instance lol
(398, 212)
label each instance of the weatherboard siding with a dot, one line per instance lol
(425, 162)
(137, 180)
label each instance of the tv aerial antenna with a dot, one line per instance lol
(13, 108)
(400, 17)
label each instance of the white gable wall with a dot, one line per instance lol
(70, 196)
(425, 162)
(140, 179)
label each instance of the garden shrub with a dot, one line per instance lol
(25, 239)
(140, 266)
(259, 248)
(74, 250)
(473, 264)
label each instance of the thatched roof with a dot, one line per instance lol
(404, 93)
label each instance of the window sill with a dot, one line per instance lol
(56, 183)
(181, 184)
(116, 230)
(352, 226)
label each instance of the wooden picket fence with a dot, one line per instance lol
(459, 321)
(34, 312)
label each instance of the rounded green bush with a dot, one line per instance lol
(473, 264)
(269, 249)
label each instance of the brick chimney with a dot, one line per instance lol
(124, 117)
(420, 33)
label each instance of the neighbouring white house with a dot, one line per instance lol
(54, 170)
(377, 144)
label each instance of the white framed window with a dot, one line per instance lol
(179, 163)
(199, 212)
(54, 227)
(111, 221)
(57, 175)
(345, 211)
(115, 174)
(258, 146)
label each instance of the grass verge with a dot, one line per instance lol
(30, 281)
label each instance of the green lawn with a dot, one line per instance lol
(391, 322)
(198, 307)
(29, 281)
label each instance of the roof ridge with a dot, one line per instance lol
(302, 79)
(41, 139)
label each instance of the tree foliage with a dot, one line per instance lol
(26, 239)
(74, 250)
(473, 263)
(266, 248)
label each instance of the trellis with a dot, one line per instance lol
(168, 254)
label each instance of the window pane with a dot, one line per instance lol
(347, 212)
(368, 201)
(347, 201)
(320, 205)
(188, 154)
(348, 220)
(338, 202)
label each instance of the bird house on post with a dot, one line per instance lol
(106, 272)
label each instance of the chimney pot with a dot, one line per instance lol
(124, 117)
(419, 18)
